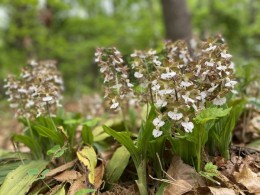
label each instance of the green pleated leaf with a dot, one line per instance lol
(61, 191)
(31, 143)
(20, 180)
(49, 133)
(117, 164)
(125, 140)
(211, 114)
(87, 135)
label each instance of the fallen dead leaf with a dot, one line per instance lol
(221, 191)
(183, 178)
(61, 168)
(256, 122)
(99, 173)
(177, 187)
(77, 185)
(179, 170)
(68, 176)
(249, 179)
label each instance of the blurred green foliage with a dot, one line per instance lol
(70, 30)
(237, 21)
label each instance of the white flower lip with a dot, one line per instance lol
(174, 115)
(187, 99)
(157, 133)
(225, 55)
(114, 105)
(138, 75)
(14, 105)
(219, 101)
(160, 103)
(158, 122)
(210, 64)
(165, 92)
(212, 88)
(168, 75)
(22, 90)
(188, 126)
(231, 84)
(47, 98)
(186, 84)
(157, 62)
(210, 48)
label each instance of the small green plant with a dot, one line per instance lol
(220, 134)
(210, 171)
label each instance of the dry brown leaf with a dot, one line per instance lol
(256, 122)
(68, 176)
(221, 191)
(77, 185)
(249, 179)
(181, 171)
(177, 187)
(99, 173)
(61, 168)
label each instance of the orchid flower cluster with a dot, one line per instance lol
(37, 91)
(118, 87)
(179, 83)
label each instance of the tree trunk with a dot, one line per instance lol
(177, 20)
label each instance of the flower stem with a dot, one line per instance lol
(30, 128)
(142, 182)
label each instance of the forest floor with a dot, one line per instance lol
(239, 175)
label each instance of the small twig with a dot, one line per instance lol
(18, 151)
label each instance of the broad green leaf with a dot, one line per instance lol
(31, 143)
(61, 191)
(88, 157)
(56, 151)
(125, 140)
(34, 171)
(98, 132)
(19, 181)
(117, 164)
(161, 189)
(85, 191)
(87, 135)
(7, 155)
(93, 122)
(211, 114)
(43, 174)
(101, 137)
(255, 144)
(49, 133)
(72, 121)
(145, 133)
(53, 150)
(8, 166)
(60, 153)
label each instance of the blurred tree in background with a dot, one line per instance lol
(70, 30)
